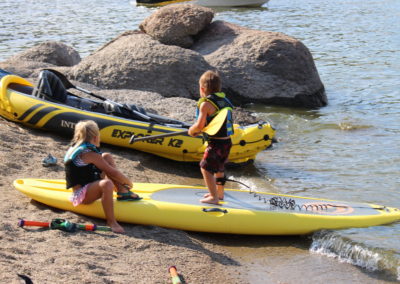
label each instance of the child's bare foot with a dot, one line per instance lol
(116, 228)
(208, 195)
(210, 200)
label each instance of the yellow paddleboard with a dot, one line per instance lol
(178, 207)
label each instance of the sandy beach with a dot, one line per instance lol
(142, 255)
(345, 151)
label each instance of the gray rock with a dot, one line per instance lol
(256, 66)
(136, 61)
(182, 109)
(25, 69)
(262, 67)
(176, 24)
(51, 52)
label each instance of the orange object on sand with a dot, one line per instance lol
(174, 275)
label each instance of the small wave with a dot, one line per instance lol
(344, 126)
(345, 250)
(248, 184)
(348, 126)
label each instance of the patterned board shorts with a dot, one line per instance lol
(79, 195)
(216, 155)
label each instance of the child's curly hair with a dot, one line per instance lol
(211, 82)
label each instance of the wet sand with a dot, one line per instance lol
(286, 259)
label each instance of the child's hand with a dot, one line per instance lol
(193, 131)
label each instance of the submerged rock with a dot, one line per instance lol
(52, 52)
(49, 54)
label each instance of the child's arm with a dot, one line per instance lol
(110, 172)
(205, 110)
(196, 128)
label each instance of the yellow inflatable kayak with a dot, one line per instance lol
(49, 106)
(242, 212)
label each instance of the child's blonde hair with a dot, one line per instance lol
(85, 131)
(211, 82)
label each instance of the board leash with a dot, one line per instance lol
(290, 204)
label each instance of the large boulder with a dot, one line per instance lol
(262, 67)
(136, 61)
(177, 24)
(51, 52)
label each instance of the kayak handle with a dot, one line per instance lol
(215, 210)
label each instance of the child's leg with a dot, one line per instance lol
(104, 189)
(110, 160)
(119, 187)
(220, 185)
(220, 181)
(209, 179)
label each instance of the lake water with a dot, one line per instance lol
(348, 150)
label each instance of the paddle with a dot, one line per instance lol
(211, 129)
(63, 225)
(67, 84)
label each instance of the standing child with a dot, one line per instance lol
(212, 166)
(92, 174)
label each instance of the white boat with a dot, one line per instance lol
(231, 3)
(206, 3)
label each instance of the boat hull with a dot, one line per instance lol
(231, 3)
(178, 207)
(207, 3)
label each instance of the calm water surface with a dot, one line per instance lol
(348, 150)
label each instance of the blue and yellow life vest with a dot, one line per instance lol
(219, 101)
(81, 175)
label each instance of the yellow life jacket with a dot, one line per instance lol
(219, 101)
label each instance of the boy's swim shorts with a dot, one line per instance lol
(216, 155)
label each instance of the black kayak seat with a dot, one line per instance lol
(50, 87)
(84, 104)
(80, 103)
(125, 110)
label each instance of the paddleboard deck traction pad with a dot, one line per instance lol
(290, 204)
